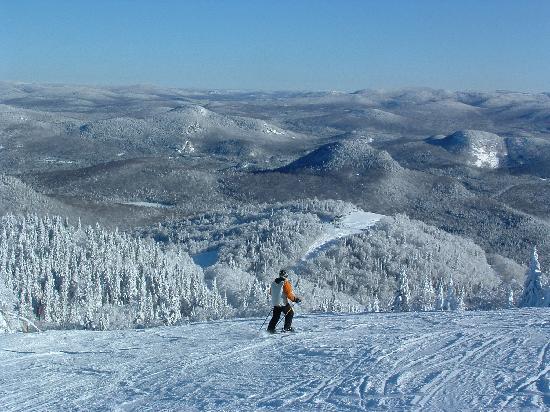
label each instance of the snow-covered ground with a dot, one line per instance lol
(350, 224)
(148, 204)
(485, 158)
(402, 361)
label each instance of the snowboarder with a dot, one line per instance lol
(281, 292)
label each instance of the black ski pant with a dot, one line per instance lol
(277, 310)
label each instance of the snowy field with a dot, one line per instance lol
(410, 361)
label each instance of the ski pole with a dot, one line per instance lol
(261, 327)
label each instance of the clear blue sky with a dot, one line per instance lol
(279, 45)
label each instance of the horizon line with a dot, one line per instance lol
(267, 91)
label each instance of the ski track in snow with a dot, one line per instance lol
(350, 224)
(496, 360)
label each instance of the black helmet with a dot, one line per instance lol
(283, 273)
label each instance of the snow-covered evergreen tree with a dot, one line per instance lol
(426, 297)
(451, 301)
(511, 298)
(376, 305)
(460, 304)
(7, 306)
(95, 278)
(533, 292)
(440, 297)
(402, 299)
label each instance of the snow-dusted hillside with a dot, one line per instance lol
(428, 361)
(17, 197)
(479, 148)
(487, 150)
(353, 156)
(190, 123)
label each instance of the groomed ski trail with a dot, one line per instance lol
(495, 360)
(350, 224)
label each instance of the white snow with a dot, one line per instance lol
(485, 158)
(270, 129)
(383, 116)
(57, 161)
(350, 224)
(187, 147)
(378, 361)
(147, 204)
(485, 149)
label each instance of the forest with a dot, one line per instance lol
(58, 275)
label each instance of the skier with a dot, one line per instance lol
(281, 292)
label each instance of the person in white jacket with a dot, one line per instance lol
(281, 293)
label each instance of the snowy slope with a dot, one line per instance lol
(414, 361)
(350, 224)
(191, 121)
(353, 156)
(480, 149)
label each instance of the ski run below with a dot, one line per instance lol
(350, 224)
(498, 360)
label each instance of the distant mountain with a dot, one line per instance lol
(194, 120)
(182, 124)
(138, 154)
(189, 126)
(16, 197)
(488, 150)
(119, 128)
(350, 120)
(17, 122)
(356, 172)
(345, 157)
(529, 155)
(477, 148)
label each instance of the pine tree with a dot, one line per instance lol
(440, 297)
(402, 299)
(149, 308)
(142, 303)
(511, 298)
(533, 293)
(426, 300)
(451, 302)
(376, 305)
(460, 304)
(48, 299)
